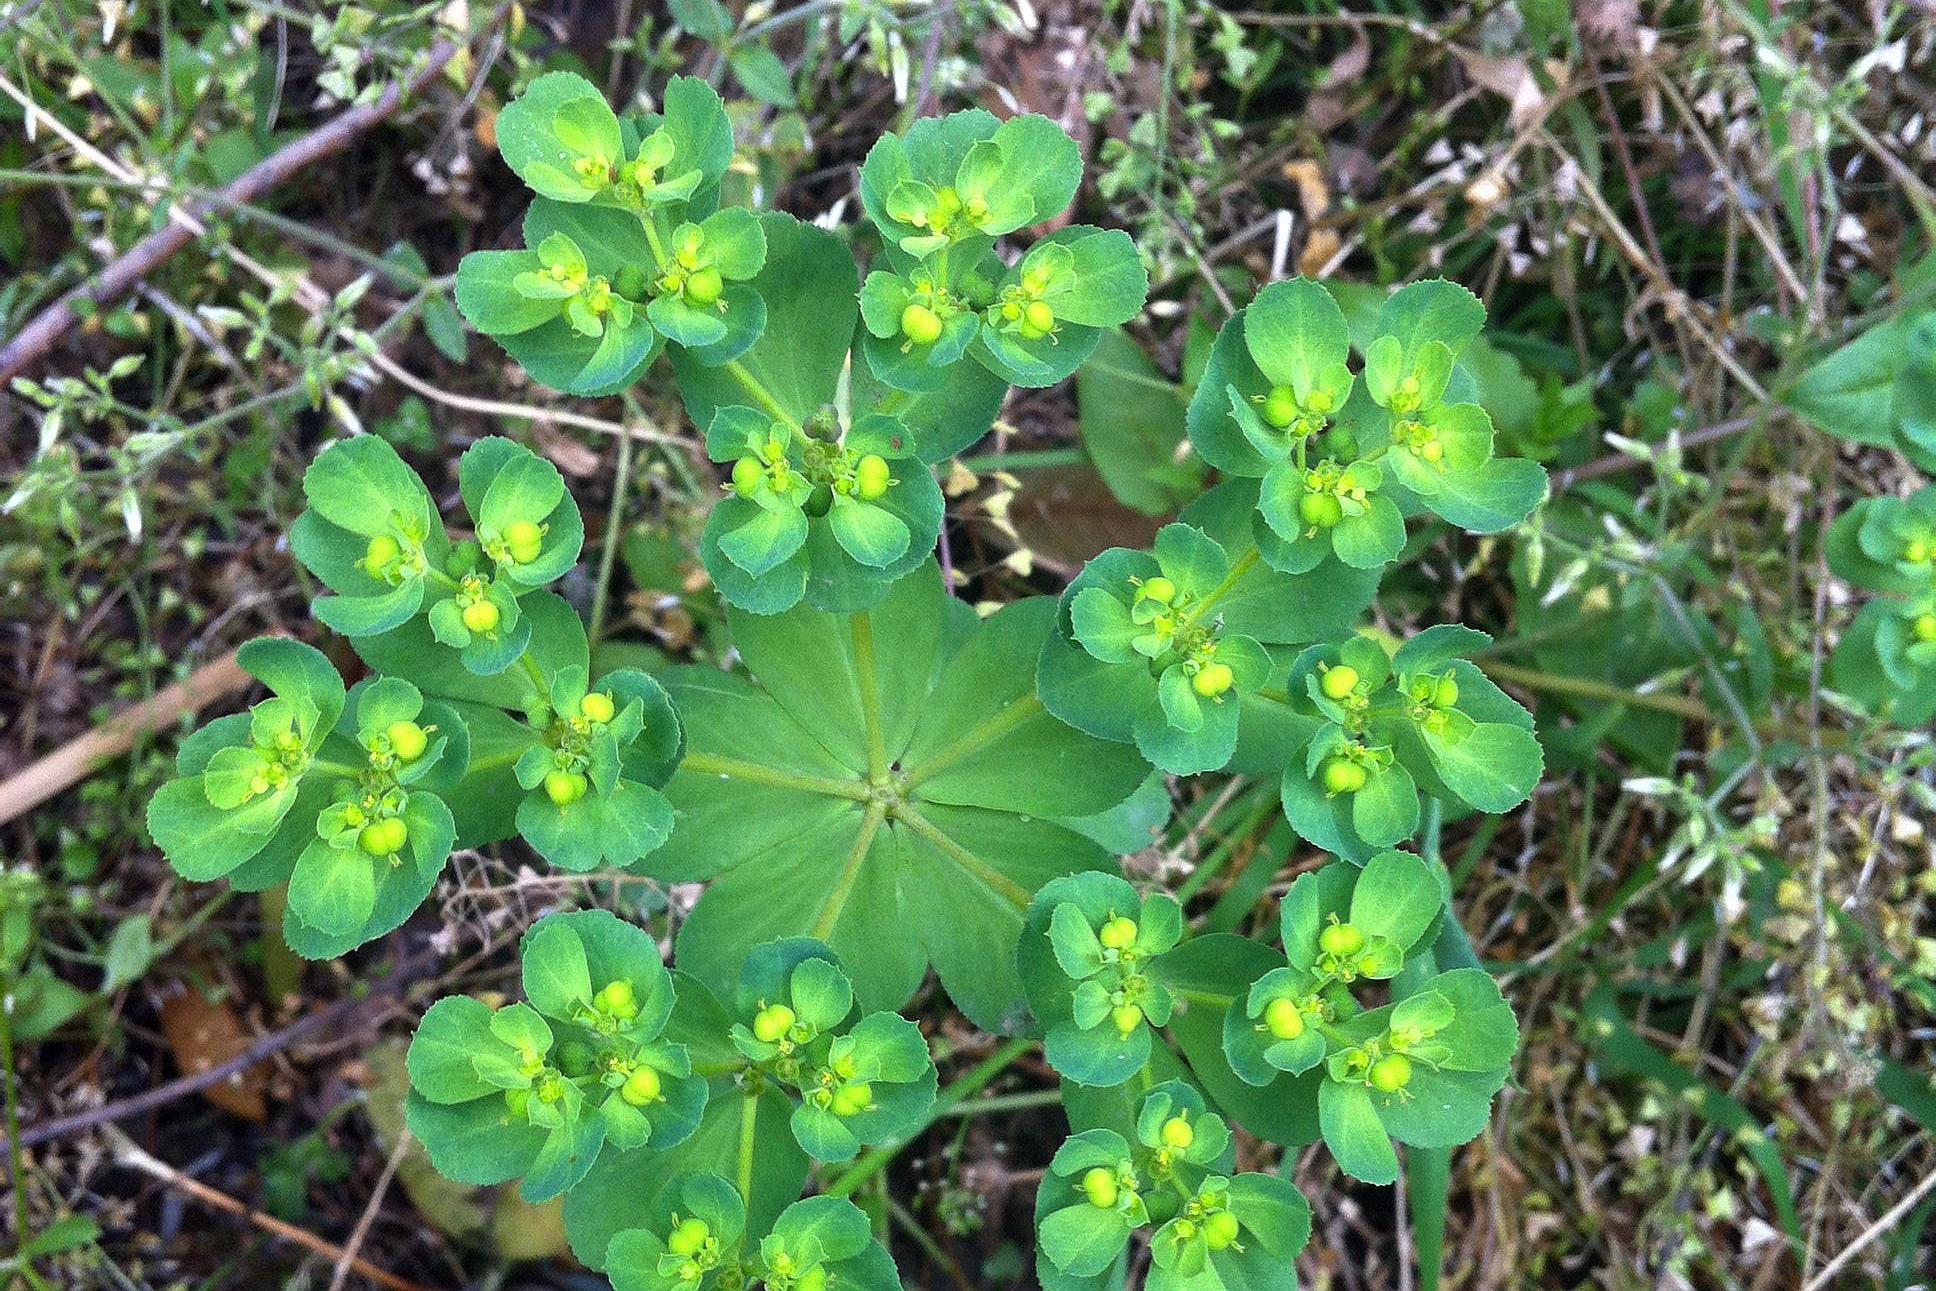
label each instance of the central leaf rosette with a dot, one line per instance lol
(889, 784)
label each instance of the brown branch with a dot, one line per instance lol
(33, 341)
(335, 1016)
(128, 1153)
(78, 758)
(1615, 463)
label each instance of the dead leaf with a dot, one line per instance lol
(1326, 109)
(203, 1034)
(1313, 192)
(1510, 79)
(1320, 248)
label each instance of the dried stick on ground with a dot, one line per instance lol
(130, 1154)
(338, 1017)
(77, 759)
(34, 340)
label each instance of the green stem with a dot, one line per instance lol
(861, 632)
(875, 1159)
(1238, 569)
(1028, 460)
(622, 476)
(991, 878)
(529, 663)
(15, 1165)
(830, 909)
(772, 777)
(761, 395)
(749, 1119)
(343, 769)
(993, 728)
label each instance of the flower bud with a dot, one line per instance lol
(618, 999)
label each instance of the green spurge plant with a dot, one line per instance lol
(887, 782)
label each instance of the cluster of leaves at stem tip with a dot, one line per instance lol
(885, 782)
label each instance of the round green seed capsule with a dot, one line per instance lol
(748, 475)
(814, 1279)
(641, 1087)
(1099, 1185)
(1342, 775)
(772, 1023)
(871, 477)
(1039, 316)
(524, 540)
(853, 1099)
(1321, 510)
(920, 324)
(618, 999)
(1341, 939)
(481, 616)
(1212, 680)
(1391, 1073)
(1177, 1133)
(1283, 1019)
(1280, 407)
(407, 740)
(564, 787)
(1125, 1017)
(383, 837)
(703, 287)
(1915, 553)
(597, 707)
(688, 1237)
(382, 550)
(1446, 692)
(1338, 682)
(1220, 1230)
(1924, 627)
(1118, 933)
(1432, 451)
(1159, 589)
(820, 501)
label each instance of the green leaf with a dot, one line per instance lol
(1355, 1134)
(772, 796)
(762, 75)
(557, 978)
(1132, 426)
(1295, 334)
(454, 1031)
(1851, 393)
(1494, 768)
(363, 486)
(1396, 896)
(1421, 313)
